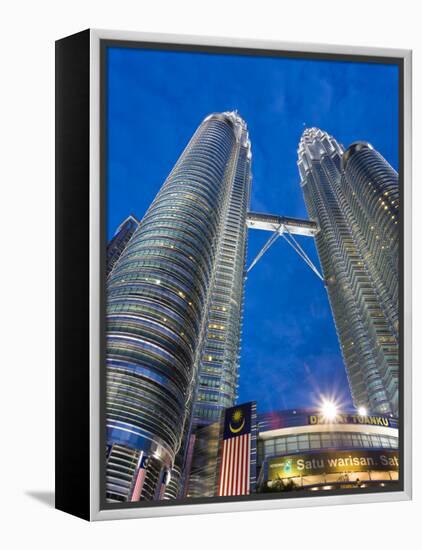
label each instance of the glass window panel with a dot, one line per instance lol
(315, 441)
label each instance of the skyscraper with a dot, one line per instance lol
(219, 361)
(353, 195)
(118, 243)
(174, 303)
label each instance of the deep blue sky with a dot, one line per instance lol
(290, 354)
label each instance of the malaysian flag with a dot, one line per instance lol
(235, 465)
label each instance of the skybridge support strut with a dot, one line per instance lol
(284, 228)
(266, 246)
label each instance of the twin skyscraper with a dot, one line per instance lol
(175, 290)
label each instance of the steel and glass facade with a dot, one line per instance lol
(219, 361)
(119, 241)
(353, 196)
(174, 302)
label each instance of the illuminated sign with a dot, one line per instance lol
(351, 419)
(331, 462)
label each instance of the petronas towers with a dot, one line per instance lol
(175, 295)
(174, 309)
(353, 195)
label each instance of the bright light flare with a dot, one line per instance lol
(362, 411)
(329, 409)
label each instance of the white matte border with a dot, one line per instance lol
(184, 509)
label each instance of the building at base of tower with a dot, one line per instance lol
(297, 450)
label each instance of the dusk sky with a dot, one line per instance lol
(157, 99)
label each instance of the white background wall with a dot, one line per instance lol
(27, 35)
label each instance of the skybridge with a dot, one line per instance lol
(285, 227)
(270, 222)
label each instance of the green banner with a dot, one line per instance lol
(331, 462)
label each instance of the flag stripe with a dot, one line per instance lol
(249, 465)
(240, 465)
(232, 452)
(234, 476)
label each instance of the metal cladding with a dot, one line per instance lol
(272, 222)
(119, 241)
(160, 295)
(353, 196)
(219, 358)
(371, 186)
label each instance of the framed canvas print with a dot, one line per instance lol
(233, 274)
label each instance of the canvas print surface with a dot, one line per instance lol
(252, 275)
